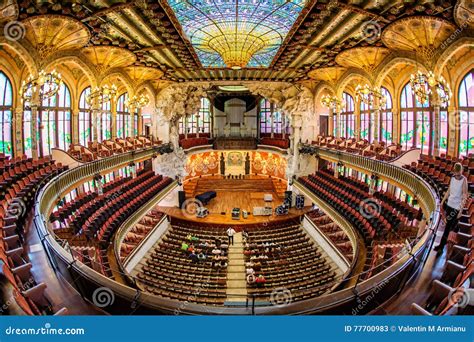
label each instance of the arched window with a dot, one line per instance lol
(347, 117)
(55, 121)
(85, 122)
(27, 141)
(271, 119)
(415, 121)
(386, 118)
(6, 102)
(199, 122)
(123, 117)
(466, 108)
(366, 118)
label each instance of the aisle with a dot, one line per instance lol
(236, 281)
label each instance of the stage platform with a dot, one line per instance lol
(244, 193)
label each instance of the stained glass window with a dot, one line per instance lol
(415, 121)
(55, 121)
(27, 141)
(265, 116)
(123, 117)
(240, 32)
(444, 131)
(466, 112)
(386, 120)
(201, 121)
(6, 101)
(85, 122)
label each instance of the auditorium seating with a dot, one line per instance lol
(332, 231)
(287, 258)
(20, 179)
(377, 149)
(139, 232)
(169, 272)
(99, 216)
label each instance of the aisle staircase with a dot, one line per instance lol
(236, 280)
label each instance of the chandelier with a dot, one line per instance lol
(368, 95)
(138, 102)
(332, 102)
(47, 84)
(102, 95)
(423, 84)
(236, 49)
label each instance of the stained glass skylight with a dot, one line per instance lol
(236, 33)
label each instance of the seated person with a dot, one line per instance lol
(216, 251)
(249, 271)
(260, 280)
(223, 264)
(202, 257)
(184, 246)
(191, 248)
(194, 258)
(245, 235)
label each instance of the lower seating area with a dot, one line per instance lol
(20, 179)
(332, 230)
(282, 256)
(187, 264)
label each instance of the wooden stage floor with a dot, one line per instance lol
(235, 193)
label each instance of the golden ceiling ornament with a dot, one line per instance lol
(330, 74)
(142, 73)
(333, 102)
(422, 35)
(108, 57)
(365, 58)
(138, 102)
(52, 33)
(8, 11)
(46, 85)
(464, 14)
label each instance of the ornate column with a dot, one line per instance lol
(376, 122)
(75, 126)
(131, 129)
(453, 130)
(357, 119)
(113, 119)
(140, 122)
(95, 119)
(338, 122)
(34, 106)
(331, 122)
(436, 127)
(293, 152)
(17, 149)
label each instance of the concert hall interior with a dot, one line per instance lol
(265, 157)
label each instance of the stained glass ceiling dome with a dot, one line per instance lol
(236, 33)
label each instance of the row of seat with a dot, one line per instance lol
(193, 142)
(281, 143)
(286, 258)
(332, 230)
(377, 149)
(18, 190)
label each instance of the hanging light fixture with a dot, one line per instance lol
(102, 94)
(138, 102)
(368, 95)
(332, 102)
(47, 84)
(422, 86)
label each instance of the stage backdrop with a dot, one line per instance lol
(261, 162)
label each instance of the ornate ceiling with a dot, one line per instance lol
(192, 39)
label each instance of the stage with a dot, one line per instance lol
(245, 194)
